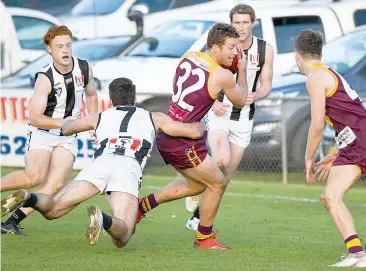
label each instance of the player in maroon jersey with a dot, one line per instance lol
(333, 100)
(198, 80)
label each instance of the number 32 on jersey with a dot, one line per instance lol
(179, 109)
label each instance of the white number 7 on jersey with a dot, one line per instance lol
(178, 97)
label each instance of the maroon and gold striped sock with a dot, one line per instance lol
(203, 232)
(148, 203)
(353, 244)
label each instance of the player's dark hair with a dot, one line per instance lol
(122, 91)
(219, 33)
(242, 9)
(309, 44)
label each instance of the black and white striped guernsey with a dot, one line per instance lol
(127, 131)
(255, 60)
(66, 96)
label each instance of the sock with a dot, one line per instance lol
(148, 203)
(203, 232)
(196, 213)
(107, 221)
(32, 201)
(16, 217)
(353, 244)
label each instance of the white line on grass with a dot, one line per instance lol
(270, 197)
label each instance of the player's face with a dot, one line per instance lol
(61, 50)
(243, 24)
(228, 51)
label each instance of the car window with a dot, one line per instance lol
(96, 7)
(2, 62)
(287, 28)
(171, 40)
(88, 50)
(30, 31)
(186, 3)
(47, 6)
(257, 29)
(154, 6)
(360, 17)
(345, 52)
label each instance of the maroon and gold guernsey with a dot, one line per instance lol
(347, 115)
(191, 100)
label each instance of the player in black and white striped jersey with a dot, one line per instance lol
(230, 128)
(58, 93)
(126, 134)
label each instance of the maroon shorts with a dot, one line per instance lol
(340, 162)
(186, 158)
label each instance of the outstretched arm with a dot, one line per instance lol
(87, 123)
(177, 129)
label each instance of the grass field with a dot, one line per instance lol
(270, 226)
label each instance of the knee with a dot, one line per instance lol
(328, 201)
(219, 187)
(223, 162)
(120, 243)
(51, 215)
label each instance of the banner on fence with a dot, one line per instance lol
(14, 108)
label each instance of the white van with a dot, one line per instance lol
(10, 47)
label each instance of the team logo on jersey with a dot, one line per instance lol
(68, 80)
(253, 58)
(58, 88)
(79, 80)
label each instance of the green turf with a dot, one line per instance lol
(266, 233)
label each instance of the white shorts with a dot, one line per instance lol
(38, 139)
(113, 172)
(240, 132)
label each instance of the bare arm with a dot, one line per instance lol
(177, 129)
(91, 94)
(87, 123)
(38, 105)
(236, 93)
(317, 88)
(266, 75)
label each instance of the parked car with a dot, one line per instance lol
(10, 50)
(346, 55)
(48, 6)
(31, 26)
(90, 50)
(109, 18)
(156, 54)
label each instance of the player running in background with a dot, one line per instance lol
(198, 80)
(58, 95)
(126, 134)
(230, 128)
(333, 100)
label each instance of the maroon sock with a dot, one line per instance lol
(148, 203)
(203, 232)
(353, 244)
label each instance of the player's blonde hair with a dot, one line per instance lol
(54, 31)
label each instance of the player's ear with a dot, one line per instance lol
(134, 101)
(48, 49)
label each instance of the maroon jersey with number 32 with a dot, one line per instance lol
(192, 98)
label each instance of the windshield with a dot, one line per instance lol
(88, 50)
(96, 7)
(171, 40)
(343, 53)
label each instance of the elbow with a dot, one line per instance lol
(32, 120)
(318, 128)
(240, 104)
